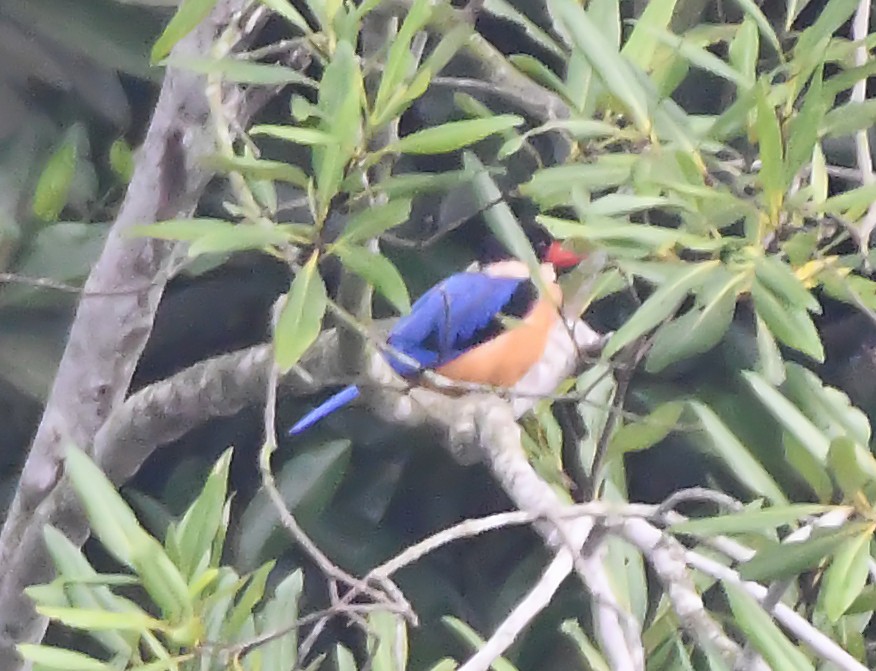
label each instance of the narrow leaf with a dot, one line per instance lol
(746, 469)
(300, 319)
(296, 134)
(789, 415)
(453, 135)
(791, 325)
(613, 69)
(240, 71)
(647, 431)
(769, 138)
(847, 574)
(53, 186)
(188, 15)
(378, 271)
(258, 168)
(660, 305)
(778, 652)
(372, 222)
(750, 521)
(238, 238)
(285, 9)
(787, 560)
(48, 657)
(181, 229)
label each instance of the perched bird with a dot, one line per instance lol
(488, 325)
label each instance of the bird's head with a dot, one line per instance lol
(548, 250)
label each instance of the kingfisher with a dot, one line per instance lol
(487, 325)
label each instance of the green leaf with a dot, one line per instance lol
(808, 467)
(744, 51)
(181, 229)
(789, 416)
(238, 238)
(590, 654)
(307, 482)
(453, 135)
(641, 46)
(615, 204)
(388, 642)
(505, 10)
(111, 520)
(849, 118)
(279, 612)
(115, 525)
(245, 604)
(48, 657)
(121, 160)
(340, 100)
(747, 470)
(257, 168)
(499, 217)
(699, 57)
(647, 431)
(791, 325)
(344, 660)
(53, 186)
(193, 537)
(818, 179)
(163, 582)
(734, 120)
(603, 229)
(188, 15)
(285, 9)
(300, 319)
(614, 71)
(399, 64)
(557, 184)
(769, 140)
(788, 560)
(846, 576)
(758, 627)
(769, 359)
(845, 469)
(405, 186)
(372, 222)
(538, 72)
(753, 11)
(802, 132)
(296, 134)
(238, 71)
(700, 328)
(780, 279)
(749, 521)
(859, 197)
(833, 15)
(82, 587)
(378, 271)
(101, 620)
(831, 409)
(661, 304)
(446, 664)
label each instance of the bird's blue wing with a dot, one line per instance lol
(449, 319)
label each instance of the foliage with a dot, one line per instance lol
(733, 240)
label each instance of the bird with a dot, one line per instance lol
(486, 325)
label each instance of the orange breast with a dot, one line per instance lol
(506, 358)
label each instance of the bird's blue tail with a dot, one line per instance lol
(339, 400)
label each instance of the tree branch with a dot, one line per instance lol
(112, 323)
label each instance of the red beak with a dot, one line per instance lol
(561, 257)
